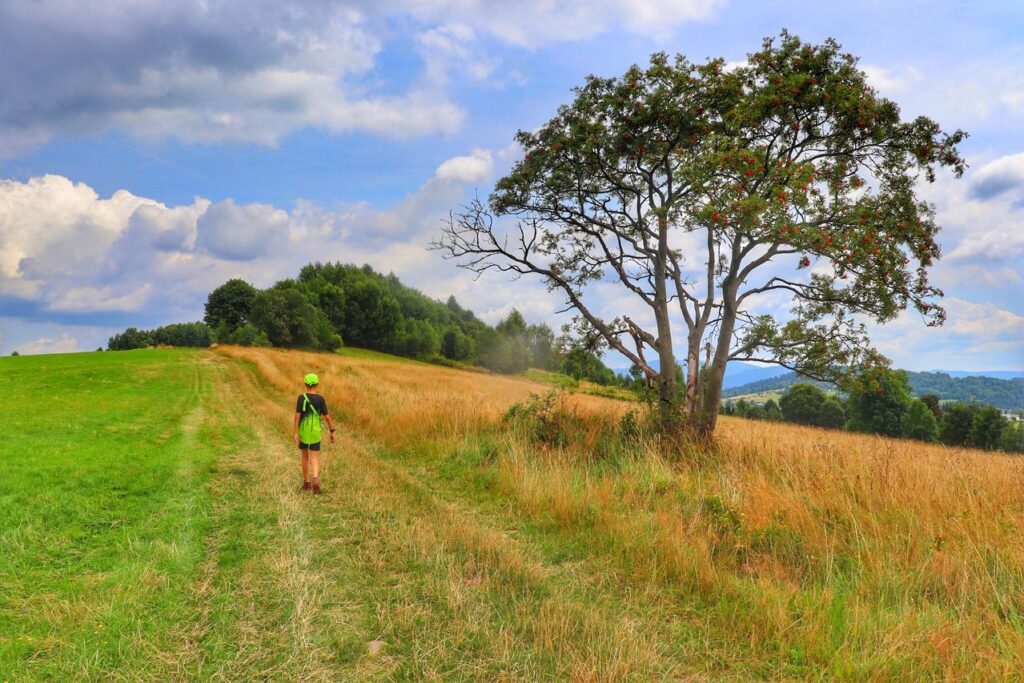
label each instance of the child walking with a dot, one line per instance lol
(310, 409)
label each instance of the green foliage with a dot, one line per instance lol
(1001, 393)
(14, 353)
(246, 335)
(976, 426)
(771, 411)
(919, 422)
(932, 401)
(456, 344)
(957, 421)
(877, 402)
(132, 338)
(579, 364)
(986, 428)
(183, 334)
(229, 305)
(545, 418)
(802, 404)
(1012, 438)
(1007, 394)
(286, 316)
(832, 414)
(505, 348)
(414, 339)
(196, 335)
(372, 315)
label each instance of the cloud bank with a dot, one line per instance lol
(228, 71)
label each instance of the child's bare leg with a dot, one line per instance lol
(314, 457)
(305, 465)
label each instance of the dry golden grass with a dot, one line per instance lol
(789, 552)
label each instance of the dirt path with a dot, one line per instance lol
(387, 576)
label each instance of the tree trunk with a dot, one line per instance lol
(692, 372)
(712, 397)
(668, 397)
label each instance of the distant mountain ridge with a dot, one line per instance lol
(995, 374)
(1007, 394)
(736, 372)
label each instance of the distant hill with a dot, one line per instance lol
(1002, 393)
(996, 374)
(739, 373)
(736, 373)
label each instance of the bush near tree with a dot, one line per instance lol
(932, 401)
(919, 422)
(806, 404)
(1012, 438)
(877, 402)
(986, 428)
(957, 420)
(771, 411)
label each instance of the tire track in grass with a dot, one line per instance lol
(255, 592)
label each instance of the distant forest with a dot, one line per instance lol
(330, 305)
(1007, 394)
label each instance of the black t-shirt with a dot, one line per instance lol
(317, 402)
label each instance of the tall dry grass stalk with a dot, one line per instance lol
(791, 547)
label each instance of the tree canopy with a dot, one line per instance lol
(697, 188)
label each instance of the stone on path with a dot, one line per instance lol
(375, 647)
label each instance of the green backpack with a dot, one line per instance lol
(310, 428)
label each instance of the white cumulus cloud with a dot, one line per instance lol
(241, 233)
(473, 168)
(64, 343)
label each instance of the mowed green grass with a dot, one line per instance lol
(103, 510)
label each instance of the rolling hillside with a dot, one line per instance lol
(163, 536)
(1002, 393)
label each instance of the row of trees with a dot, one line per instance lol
(332, 304)
(1001, 393)
(195, 334)
(880, 403)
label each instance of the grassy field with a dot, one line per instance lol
(159, 535)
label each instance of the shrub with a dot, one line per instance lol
(545, 418)
(878, 401)
(919, 422)
(802, 403)
(956, 423)
(986, 428)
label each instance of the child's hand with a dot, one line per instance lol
(332, 437)
(296, 436)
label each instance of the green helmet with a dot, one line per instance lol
(311, 379)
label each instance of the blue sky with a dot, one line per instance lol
(151, 150)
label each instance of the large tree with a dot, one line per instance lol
(699, 188)
(229, 305)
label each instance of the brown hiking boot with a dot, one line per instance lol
(306, 486)
(316, 486)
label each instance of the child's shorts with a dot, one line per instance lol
(310, 446)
